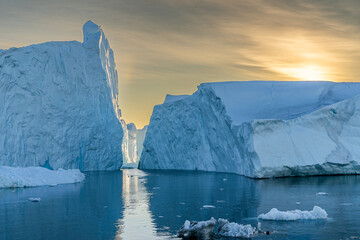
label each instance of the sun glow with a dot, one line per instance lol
(306, 73)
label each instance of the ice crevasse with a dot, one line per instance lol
(59, 105)
(259, 129)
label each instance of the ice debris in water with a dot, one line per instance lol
(205, 229)
(322, 193)
(276, 215)
(232, 229)
(197, 229)
(34, 199)
(208, 206)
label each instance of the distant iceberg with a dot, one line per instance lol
(276, 215)
(14, 177)
(259, 129)
(132, 145)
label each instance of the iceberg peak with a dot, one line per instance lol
(91, 31)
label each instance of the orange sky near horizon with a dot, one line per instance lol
(170, 47)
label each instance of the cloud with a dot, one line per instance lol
(167, 46)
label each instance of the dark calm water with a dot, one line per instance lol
(132, 204)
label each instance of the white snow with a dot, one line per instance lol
(13, 177)
(258, 129)
(59, 105)
(276, 215)
(232, 229)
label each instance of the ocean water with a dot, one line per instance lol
(133, 204)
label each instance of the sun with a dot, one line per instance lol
(306, 73)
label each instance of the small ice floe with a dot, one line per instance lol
(232, 229)
(224, 179)
(221, 189)
(208, 206)
(34, 199)
(345, 204)
(220, 201)
(156, 188)
(178, 216)
(276, 215)
(297, 203)
(182, 203)
(160, 216)
(205, 229)
(194, 229)
(322, 193)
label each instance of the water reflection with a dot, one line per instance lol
(132, 205)
(179, 195)
(137, 221)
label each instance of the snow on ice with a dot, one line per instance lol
(14, 177)
(276, 215)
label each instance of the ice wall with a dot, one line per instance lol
(258, 129)
(59, 105)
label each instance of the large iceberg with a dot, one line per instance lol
(259, 129)
(59, 105)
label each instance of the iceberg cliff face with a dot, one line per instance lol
(258, 129)
(59, 105)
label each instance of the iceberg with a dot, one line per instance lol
(132, 145)
(16, 177)
(276, 215)
(260, 129)
(59, 105)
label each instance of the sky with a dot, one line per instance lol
(171, 46)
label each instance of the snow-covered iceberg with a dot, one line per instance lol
(13, 177)
(258, 129)
(59, 105)
(276, 215)
(132, 145)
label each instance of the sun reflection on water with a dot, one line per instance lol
(137, 221)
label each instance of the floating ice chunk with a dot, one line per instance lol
(232, 229)
(322, 193)
(297, 203)
(208, 206)
(276, 215)
(37, 176)
(202, 229)
(345, 204)
(34, 199)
